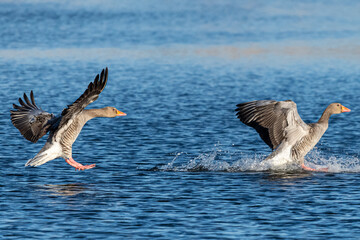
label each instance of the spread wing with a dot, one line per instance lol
(273, 120)
(30, 120)
(90, 95)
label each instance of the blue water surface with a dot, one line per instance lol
(180, 165)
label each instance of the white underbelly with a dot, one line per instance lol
(280, 157)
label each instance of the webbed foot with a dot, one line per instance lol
(78, 166)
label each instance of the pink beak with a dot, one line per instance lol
(120, 113)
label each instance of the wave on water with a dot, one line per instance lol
(219, 160)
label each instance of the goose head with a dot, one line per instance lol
(337, 108)
(110, 112)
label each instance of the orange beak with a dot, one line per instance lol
(344, 109)
(118, 113)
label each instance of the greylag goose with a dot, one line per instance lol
(281, 128)
(33, 123)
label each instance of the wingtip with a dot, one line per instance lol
(105, 78)
(16, 107)
(27, 100)
(21, 102)
(32, 98)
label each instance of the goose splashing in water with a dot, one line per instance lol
(282, 129)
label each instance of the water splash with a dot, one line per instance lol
(350, 164)
(203, 162)
(219, 160)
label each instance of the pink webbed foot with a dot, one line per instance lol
(78, 166)
(314, 170)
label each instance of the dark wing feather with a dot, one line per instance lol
(90, 95)
(30, 120)
(270, 119)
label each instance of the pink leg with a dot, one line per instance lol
(78, 166)
(314, 170)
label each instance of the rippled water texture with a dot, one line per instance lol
(180, 165)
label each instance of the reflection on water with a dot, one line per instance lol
(70, 189)
(286, 176)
